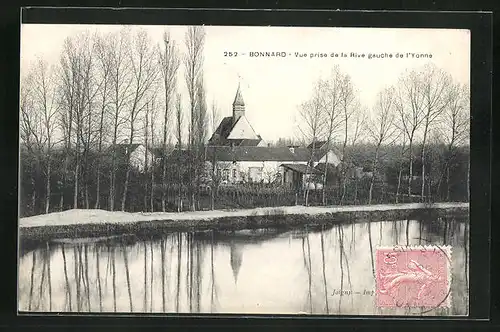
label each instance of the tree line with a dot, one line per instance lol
(109, 90)
(423, 118)
(81, 117)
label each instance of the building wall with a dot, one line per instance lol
(332, 158)
(263, 171)
(138, 158)
(252, 171)
(242, 130)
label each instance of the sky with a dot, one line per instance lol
(274, 87)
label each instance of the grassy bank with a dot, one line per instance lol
(98, 223)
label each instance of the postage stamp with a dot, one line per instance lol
(413, 276)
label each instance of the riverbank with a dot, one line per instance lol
(101, 223)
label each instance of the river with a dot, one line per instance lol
(309, 271)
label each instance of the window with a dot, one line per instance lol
(234, 174)
(225, 174)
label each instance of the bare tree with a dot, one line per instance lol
(169, 63)
(333, 116)
(312, 127)
(193, 62)
(402, 151)
(179, 124)
(91, 111)
(358, 133)
(348, 105)
(45, 92)
(103, 49)
(121, 84)
(381, 128)
(215, 116)
(153, 115)
(77, 92)
(30, 130)
(144, 75)
(454, 127)
(410, 113)
(68, 88)
(435, 86)
(146, 151)
(150, 118)
(201, 134)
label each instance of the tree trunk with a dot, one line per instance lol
(448, 183)
(468, 179)
(164, 160)
(374, 171)
(410, 170)
(87, 203)
(399, 183)
(98, 166)
(213, 185)
(325, 174)
(77, 171)
(98, 185)
(422, 195)
(112, 183)
(129, 152)
(151, 197)
(146, 166)
(47, 184)
(356, 190)
(125, 187)
(179, 175)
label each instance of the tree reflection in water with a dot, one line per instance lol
(214, 271)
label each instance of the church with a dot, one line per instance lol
(238, 153)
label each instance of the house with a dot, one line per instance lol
(235, 151)
(138, 154)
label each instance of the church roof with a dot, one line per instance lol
(238, 99)
(226, 126)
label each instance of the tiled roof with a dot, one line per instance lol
(222, 130)
(317, 145)
(301, 168)
(258, 153)
(122, 148)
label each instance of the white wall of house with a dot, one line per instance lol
(331, 157)
(138, 158)
(255, 171)
(261, 171)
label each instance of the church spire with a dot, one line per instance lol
(236, 257)
(238, 105)
(238, 99)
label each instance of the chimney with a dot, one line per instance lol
(292, 148)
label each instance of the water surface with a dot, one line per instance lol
(320, 271)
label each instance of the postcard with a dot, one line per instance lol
(244, 169)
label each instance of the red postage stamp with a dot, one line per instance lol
(413, 276)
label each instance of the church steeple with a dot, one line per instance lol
(236, 256)
(238, 105)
